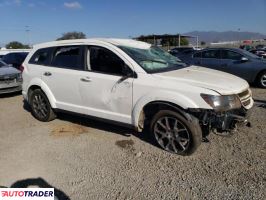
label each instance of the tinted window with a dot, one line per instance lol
(197, 55)
(211, 54)
(9, 58)
(15, 58)
(230, 55)
(41, 57)
(105, 61)
(68, 57)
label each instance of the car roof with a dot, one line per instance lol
(223, 48)
(114, 41)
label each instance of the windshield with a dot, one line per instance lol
(154, 59)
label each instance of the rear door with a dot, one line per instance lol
(62, 77)
(211, 59)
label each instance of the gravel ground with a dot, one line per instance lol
(86, 159)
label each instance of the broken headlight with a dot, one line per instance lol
(222, 103)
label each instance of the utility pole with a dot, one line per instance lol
(27, 29)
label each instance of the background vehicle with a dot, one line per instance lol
(135, 84)
(10, 79)
(261, 53)
(182, 52)
(235, 61)
(15, 59)
(261, 47)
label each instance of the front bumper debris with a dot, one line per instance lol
(222, 123)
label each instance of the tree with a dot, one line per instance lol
(72, 35)
(17, 45)
(184, 41)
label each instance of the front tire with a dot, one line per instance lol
(40, 106)
(262, 79)
(176, 134)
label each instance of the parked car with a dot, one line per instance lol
(261, 47)
(181, 52)
(15, 59)
(10, 79)
(261, 53)
(137, 85)
(235, 61)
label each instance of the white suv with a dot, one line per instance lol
(137, 85)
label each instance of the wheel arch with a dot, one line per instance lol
(149, 109)
(38, 84)
(258, 74)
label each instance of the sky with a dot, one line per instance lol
(46, 20)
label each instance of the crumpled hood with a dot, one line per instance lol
(218, 81)
(6, 70)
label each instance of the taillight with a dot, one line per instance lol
(21, 68)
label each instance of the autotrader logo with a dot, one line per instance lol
(26, 193)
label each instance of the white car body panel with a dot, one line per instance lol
(104, 97)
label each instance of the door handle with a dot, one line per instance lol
(87, 79)
(47, 74)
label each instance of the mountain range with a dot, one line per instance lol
(214, 36)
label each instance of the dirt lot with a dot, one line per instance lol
(85, 159)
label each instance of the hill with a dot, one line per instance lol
(214, 36)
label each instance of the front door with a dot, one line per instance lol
(104, 90)
(232, 62)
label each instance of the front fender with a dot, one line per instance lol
(166, 96)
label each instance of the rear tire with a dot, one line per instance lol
(176, 134)
(40, 106)
(261, 80)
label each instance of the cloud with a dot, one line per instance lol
(17, 2)
(72, 5)
(10, 3)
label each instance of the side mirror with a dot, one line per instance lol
(244, 59)
(127, 73)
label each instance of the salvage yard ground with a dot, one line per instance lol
(87, 159)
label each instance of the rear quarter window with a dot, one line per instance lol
(41, 57)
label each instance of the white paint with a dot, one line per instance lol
(103, 96)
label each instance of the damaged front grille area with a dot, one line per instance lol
(245, 98)
(220, 123)
(8, 78)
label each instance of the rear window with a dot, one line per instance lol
(69, 57)
(197, 55)
(41, 57)
(211, 54)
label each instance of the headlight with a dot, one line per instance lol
(222, 103)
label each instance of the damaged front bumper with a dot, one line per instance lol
(221, 123)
